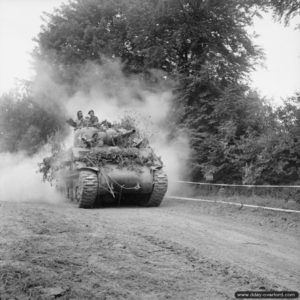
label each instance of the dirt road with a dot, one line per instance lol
(181, 250)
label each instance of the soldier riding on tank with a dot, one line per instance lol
(79, 123)
(93, 120)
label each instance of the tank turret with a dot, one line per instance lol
(110, 138)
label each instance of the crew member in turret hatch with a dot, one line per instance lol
(79, 121)
(93, 119)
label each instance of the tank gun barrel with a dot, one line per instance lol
(113, 138)
(125, 134)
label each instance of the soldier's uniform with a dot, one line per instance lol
(93, 120)
(79, 123)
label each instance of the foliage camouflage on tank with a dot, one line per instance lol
(106, 165)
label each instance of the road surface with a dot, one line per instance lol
(181, 250)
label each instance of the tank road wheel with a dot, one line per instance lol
(160, 186)
(87, 189)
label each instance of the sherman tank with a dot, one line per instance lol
(112, 166)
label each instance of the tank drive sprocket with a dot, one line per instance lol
(160, 186)
(87, 188)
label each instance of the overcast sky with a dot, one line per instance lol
(20, 22)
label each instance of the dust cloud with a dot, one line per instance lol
(19, 180)
(112, 95)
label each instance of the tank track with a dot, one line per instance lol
(87, 189)
(160, 186)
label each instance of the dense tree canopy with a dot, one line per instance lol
(188, 37)
(25, 125)
(284, 9)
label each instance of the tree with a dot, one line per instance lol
(284, 9)
(176, 36)
(201, 44)
(273, 155)
(25, 125)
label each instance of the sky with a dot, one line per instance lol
(280, 75)
(20, 22)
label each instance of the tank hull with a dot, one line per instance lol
(110, 185)
(98, 172)
(125, 180)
